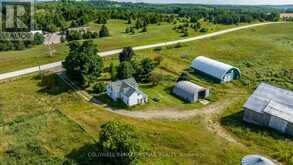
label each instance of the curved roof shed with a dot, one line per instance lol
(190, 91)
(221, 71)
(256, 160)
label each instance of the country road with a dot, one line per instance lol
(22, 72)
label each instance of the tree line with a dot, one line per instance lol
(57, 16)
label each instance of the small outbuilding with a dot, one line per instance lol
(272, 107)
(190, 91)
(219, 71)
(256, 160)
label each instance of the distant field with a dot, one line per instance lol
(14, 60)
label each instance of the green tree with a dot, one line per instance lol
(113, 71)
(99, 88)
(104, 32)
(101, 20)
(82, 63)
(143, 71)
(117, 138)
(125, 70)
(144, 29)
(129, 21)
(38, 39)
(126, 54)
(185, 33)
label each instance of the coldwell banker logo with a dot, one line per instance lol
(16, 20)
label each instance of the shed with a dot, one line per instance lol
(220, 71)
(271, 107)
(256, 160)
(190, 91)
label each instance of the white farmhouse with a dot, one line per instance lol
(126, 90)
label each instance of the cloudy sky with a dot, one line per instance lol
(239, 2)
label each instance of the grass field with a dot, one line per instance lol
(58, 126)
(14, 60)
(53, 126)
(263, 54)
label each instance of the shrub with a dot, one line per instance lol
(156, 78)
(157, 49)
(203, 30)
(178, 45)
(184, 77)
(117, 138)
(99, 88)
(158, 60)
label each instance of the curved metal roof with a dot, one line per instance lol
(189, 87)
(212, 67)
(256, 160)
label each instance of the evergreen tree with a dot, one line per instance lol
(125, 70)
(113, 72)
(144, 29)
(126, 54)
(143, 71)
(104, 32)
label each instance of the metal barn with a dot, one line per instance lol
(271, 107)
(220, 71)
(190, 91)
(256, 160)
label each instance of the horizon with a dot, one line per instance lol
(215, 2)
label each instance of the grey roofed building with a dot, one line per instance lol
(190, 91)
(256, 160)
(272, 107)
(218, 70)
(126, 90)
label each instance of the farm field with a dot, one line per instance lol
(15, 60)
(53, 125)
(267, 56)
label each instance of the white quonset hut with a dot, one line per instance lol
(190, 91)
(256, 160)
(271, 107)
(219, 71)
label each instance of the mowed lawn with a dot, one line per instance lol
(15, 60)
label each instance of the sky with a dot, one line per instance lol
(234, 2)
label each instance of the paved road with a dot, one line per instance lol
(112, 52)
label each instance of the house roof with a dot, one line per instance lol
(127, 87)
(189, 87)
(212, 67)
(272, 100)
(256, 160)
